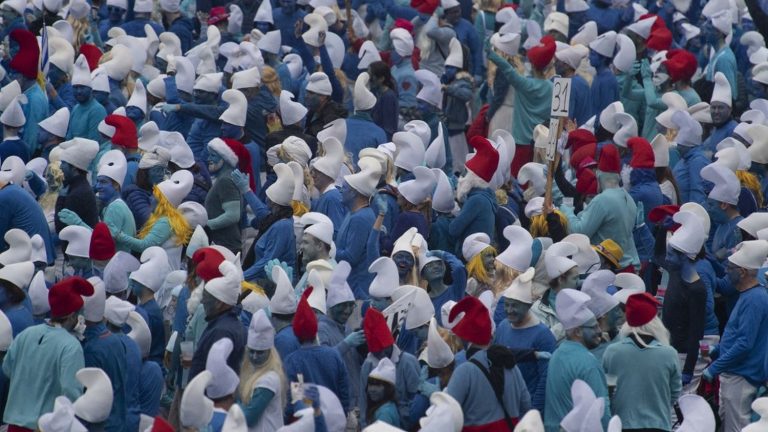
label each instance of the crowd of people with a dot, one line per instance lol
(313, 215)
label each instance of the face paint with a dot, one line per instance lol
(161, 64)
(231, 131)
(289, 6)
(348, 195)
(380, 303)
(264, 27)
(449, 74)
(404, 262)
(596, 59)
(156, 175)
(711, 34)
(115, 13)
(386, 352)
(101, 97)
(375, 392)
(434, 270)
(204, 97)
(615, 319)
(716, 213)
(312, 101)
(210, 304)
(421, 332)
(44, 137)
(342, 311)
(720, 113)
(135, 287)
(592, 334)
(489, 261)
(452, 15)
(258, 358)
(105, 189)
(56, 76)
(82, 93)
(215, 162)
(134, 113)
(570, 279)
(68, 170)
(516, 310)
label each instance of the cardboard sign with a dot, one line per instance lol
(561, 97)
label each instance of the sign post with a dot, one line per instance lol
(561, 98)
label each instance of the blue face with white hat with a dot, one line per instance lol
(134, 113)
(105, 189)
(82, 93)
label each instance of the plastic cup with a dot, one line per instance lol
(187, 350)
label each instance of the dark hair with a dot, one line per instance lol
(142, 179)
(279, 213)
(15, 294)
(389, 396)
(664, 173)
(380, 69)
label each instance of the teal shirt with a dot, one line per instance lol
(159, 234)
(35, 111)
(84, 120)
(724, 61)
(119, 218)
(571, 361)
(41, 363)
(690, 96)
(647, 383)
(533, 99)
(388, 414)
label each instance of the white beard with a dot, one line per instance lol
(466, 183)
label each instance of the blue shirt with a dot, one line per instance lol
(157, 328)
(132, 370)
(150, 388)
(35, 111)
(478, 214)
(718, 134)
(581, 100)
(744, 347)
(105, 351)
(135, 27)
(84, 120)
(330, 333)
(362, 133)
(605, 91)
(407, 84)
(351, 248)
(687, 173)
(21, 211)
(278, 242)
(329, 203)
(320, 365)
(286, 342)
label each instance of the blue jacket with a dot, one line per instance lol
(256, 115)
(225, 325)
(362, 133)
(476, 215)
(581, 99)
(140, 203)
(105, 351)
(467, 35)
(132, 370)
(718, 134)
(135, 27)
(150, 388)
(605, 91)
(707, 275)
(65, 98)
(157, 328)
(21, 211)
(320, 365)
(386, 112)
(35, 111)
(105, 25)
(329, 203)
(645, 189)
(84, 120)
(687, 173)
(350, 248)
(608, 18)
(407, 84)
(286, 342)
(205, 127)
(331, 334)
(743, 347)
(14, 147)
(183, 28)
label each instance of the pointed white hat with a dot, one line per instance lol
(518, 254)
(421, 309)
(119, 66)
(386, 280)
(572, 55)
(727, 186)
(284, 299)
(642, 28)
(626, 54)
(737, 148)
(365, 180)
(697, 414)
(19, 247)
(226, 288)
(723, 22)
(100, 81)
(270, 42)
(455, 55)
(439, 353)
(586, 257)
(754, 222)
(690, 237)
(583, 397)
(261, 334)
(608, 114)
(402, 41)
(627, 129)
(421, 129)
(117, 270)
(338, 289)
(19, 274)
(605, 44)
(57, 123)
(443, 199)
(384, 371)
(264, 13)
(336, 129)
(177, 187)
(320, 272)
(699, 211)
(236, 111)
(154, 266)
(79, 240)
(435, 156)
(431, 88)
(419, 189)
(368, 54)
(410, 150)
(596, 286)
(475, 244)
(556, 21)
(13, 115)
(444, 415)
(760, 406)
(93, 309)
(533, 175)
(317, 26)
(750, 254)
(508, 43)
(557, 261)
(116, 311)
(95, 403)
(586, 34)
(521, 289)
(531, 421)
(319, 83)
(196, 409)
(363, 98)
(82, 73)
(78, 152)
(291, 112)
(63, 418)
(571, 307)
(722, 90)
(8, 94)
(674, 102)
(281, 191)
(38, 294)
(225, 380)
(139, 332)
(113, 165)
(330, 163)
(689, 130)
(6, 332)
(235, 421)
(629, 283)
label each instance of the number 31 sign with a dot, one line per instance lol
(561, 97)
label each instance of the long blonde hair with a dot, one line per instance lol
(270, 79)
(249, 376)
(476, 267)
(179, 225)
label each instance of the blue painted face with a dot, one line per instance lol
(375, 391)
(215, 162)
(156, 175)
(348, 194)
(516, 310)
(56, 76)
(68, 170)
(449, 74)
(404, 262)
(716, 213)
(82, 93)
(105, 189)
(342, 311)
(380, 303)
(204, 97)
(424, 107)
(101, 97)
(115, 13)
(135, 287)
(263, 26)
(258, 358)
(134, 113)
(711, 34)
(231, 131)
(289, 6)
(312, 100)
(597, 60)
(421, 332)
(43, 137)
(592, 334)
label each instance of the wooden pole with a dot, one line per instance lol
(350, 29)
(551, 166)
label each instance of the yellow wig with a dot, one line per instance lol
(179, 225)
(476, 268)
(749, 180)
(539, 226)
